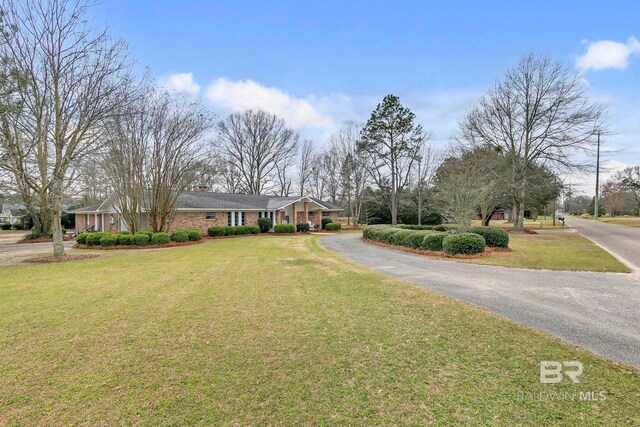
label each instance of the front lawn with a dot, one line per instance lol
(273, 331)
(629, 221)
(561, 251)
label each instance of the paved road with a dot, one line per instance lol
(598, 311)
(622, 241)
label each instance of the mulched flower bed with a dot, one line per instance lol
(52, 259)
(487, 251)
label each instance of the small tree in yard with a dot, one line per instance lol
(393, 141)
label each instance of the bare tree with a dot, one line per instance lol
(72, 80)
(538, 114)
(393, 141)
(259, 146)
(305, 165)
(317, 177)
(354, 169)
(423, 177)
(155, 154)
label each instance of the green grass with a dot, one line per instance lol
(272, 331)
(562, 251)
(629, 221)
(541, 223)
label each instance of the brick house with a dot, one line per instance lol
(203, 209)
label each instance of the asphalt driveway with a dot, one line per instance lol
(620, 240)
(597, 311)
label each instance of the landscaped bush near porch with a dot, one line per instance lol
(5, 226)
(82, 238)
(284, 228)
(160, 238)
(109, 240)
(333, 226)
(302, 227)
(140, 239)
(326, 221)
(494, 237)
(194, 234)
(93, 239)
(125, 239)
(463, 243)
(265, 224)
(179, 236)
(218, 231)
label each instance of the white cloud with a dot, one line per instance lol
(180, 82)
(608, 54)
(248, 94)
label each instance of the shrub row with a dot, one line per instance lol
(284, 228)
(233, 230)
(494, 237)
(326, 221)
(5, 226)
(451, 242)
(103, 238)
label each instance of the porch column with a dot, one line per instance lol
(95, 222)
(306, 211)
(275, 217)
(102, 215)
(295, 215)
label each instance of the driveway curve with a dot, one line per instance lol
(597, 311)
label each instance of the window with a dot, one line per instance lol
(210, 215)
(229, 218)
(242, 220)
(325, 213)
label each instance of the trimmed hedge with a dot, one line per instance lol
(302, 227)
(463, 243)
(265, 224)
(333, 226)
(494, 237)
(109, 240)
(82, 238)
(433, 242)
(5, 226)
(141, 239)
(160, 238)
(179, 236)
(93, 239)
(326, 221)
(217, 231)
(194, 234)
(125, 239)
(426, 239)
(232, 230)
(415, 227)
(284, 228)
(440, 228)
(414, 240)
(148, 232)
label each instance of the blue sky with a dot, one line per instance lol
(318, 64)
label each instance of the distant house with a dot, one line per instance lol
(203, 209)
(11, 213)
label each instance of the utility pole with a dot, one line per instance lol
(596, 209)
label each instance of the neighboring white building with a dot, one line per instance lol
(11, 213)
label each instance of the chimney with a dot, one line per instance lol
(200, 189)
